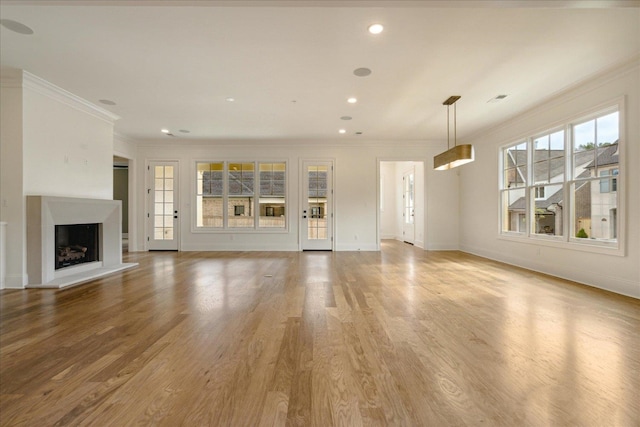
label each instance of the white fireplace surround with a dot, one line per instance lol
(45, 212)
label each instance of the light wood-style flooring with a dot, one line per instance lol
(400, 337)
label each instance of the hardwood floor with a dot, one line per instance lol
(400, 337)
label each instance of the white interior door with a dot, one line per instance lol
(408, 206)
(163, 206)
(317, 206)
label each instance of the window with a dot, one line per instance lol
(514, 179)
(539, 197)
(272, 195)
(240, 179)
(209, 195)
(610, 182)
(226, 195)
(596, 163)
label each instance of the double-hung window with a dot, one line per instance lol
(240, 195)
(514, 188)
(563, 184)
(596, 157)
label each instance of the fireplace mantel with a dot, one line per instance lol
(45, 212)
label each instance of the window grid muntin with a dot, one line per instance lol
(251, 188)
(570, 177)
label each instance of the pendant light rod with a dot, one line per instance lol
(448, 127)
(458, 155)
(455, 126)
(448, 102)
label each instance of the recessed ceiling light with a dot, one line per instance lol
(106, 102)
(342, 131)
(230, 99)
(346, 118)
(184, 131)
(362, 72)
(164, 130)
(375, 28)
(352, 100)
(16, 27)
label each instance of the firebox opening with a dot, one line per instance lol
(77, 244)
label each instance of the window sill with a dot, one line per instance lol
(239, 231)
(604, 248)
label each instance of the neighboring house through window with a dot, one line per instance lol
(226, 195)
(536, 190)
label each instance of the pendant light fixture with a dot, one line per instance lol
(459, 154)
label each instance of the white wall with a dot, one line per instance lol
(443, 198)
(12, 204)
(389, 214)
(479, 189)
(355, 197)
(52, 143)
(67, 152)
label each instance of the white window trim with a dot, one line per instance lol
(235, 230)
(566, 241)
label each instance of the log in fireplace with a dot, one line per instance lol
(76, 244)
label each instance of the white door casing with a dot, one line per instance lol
(162, 210)
(316, 224)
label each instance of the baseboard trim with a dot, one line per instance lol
(607, 282)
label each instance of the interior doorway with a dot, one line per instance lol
(121, 192)
(402, 201)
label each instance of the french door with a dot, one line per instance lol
(317, 206)
(162, 210)
(408, 206)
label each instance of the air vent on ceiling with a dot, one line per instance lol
(497, 98)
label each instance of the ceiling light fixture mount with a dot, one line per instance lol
(459, 154)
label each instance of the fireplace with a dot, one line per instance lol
(72, 240)
(76, 244)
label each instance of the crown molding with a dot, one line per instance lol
(43, 87)
(287, 143)
(124, 138)
(577, 89)
(474, 4)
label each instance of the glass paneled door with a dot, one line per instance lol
(163, 206)
(317, 206)
(408, 206)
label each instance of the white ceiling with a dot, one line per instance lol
(289, 64)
